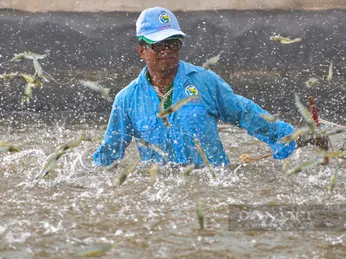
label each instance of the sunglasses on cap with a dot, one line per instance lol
(173, 45)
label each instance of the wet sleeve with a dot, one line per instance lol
(118, 136)
(240, 111)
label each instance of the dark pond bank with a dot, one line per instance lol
(101, 47)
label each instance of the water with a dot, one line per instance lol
(77, 206)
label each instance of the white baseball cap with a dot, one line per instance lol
(157, 24)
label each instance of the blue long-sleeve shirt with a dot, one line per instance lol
(135, 109)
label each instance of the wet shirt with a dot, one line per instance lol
(136, 106)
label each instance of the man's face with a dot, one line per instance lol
(163, 55)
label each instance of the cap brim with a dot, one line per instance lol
(164, 34)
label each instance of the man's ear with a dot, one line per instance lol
(140, 51)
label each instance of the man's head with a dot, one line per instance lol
(159, 36)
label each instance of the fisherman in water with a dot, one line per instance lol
(168, 79)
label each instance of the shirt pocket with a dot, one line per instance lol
(147, 123)
(195, 119)
(148, 129)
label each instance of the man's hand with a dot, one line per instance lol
(305, 140)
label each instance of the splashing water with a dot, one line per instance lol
(78, 205)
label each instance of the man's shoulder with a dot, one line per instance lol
(126, 92)
(191, 68)
(129, 90)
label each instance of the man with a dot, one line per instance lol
(135, 108)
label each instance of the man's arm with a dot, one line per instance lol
(243, 112)
(118, 136)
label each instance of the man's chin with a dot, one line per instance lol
(169, 65)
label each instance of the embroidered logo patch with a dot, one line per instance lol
(164, 18)
(191, 90)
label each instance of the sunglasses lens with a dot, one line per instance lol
(158, 47)
(173, 45)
